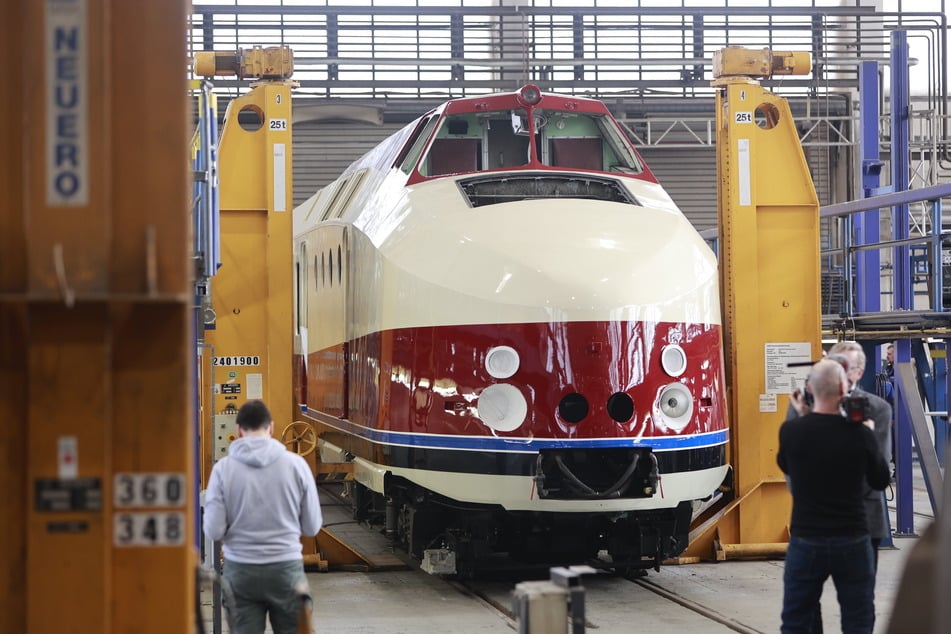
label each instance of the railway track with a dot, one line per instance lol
(614, 603)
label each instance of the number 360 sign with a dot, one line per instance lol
(148, 490)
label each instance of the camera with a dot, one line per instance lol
(855, 408)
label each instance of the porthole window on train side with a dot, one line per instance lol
(330, 257)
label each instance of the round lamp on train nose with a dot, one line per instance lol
(674, 360)
(676, 406)
(501, 362)
(530, 94)
(502, 407)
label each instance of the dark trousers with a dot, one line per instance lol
(263, 590)
(812, 560)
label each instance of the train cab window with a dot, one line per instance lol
(507, 139)
(472, 142)
(581, 153)
(584, 141)
(456, 149)
(452, 156)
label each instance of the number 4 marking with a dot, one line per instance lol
(148, 529)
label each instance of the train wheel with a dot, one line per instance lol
(299, 437)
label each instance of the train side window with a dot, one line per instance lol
(323, 269)
(330, 257)
(341, 186)
(415, 145)
(302, 287)
(345, 196)
(339, 266)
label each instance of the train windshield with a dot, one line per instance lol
(478, 141)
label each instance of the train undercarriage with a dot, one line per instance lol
(450, 537)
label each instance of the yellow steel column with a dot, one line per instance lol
(96, 342)
(768, 232)
(252, 294)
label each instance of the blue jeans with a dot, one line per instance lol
(812, 560)
(261, 590)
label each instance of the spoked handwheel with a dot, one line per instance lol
(299, 437)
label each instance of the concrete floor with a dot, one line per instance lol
(742, 596)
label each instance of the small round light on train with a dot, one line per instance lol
(674, 360)
(530, 94)
(501, 362)
(502, 407)
(676, 406)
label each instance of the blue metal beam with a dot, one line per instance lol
(887, 200)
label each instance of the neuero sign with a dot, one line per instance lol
(67, 89)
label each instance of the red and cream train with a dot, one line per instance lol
(513, 333)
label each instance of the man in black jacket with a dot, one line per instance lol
(880, 412)
(827, 459)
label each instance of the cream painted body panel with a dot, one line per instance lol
(435, 261)
(517, 493)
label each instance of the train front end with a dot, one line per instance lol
(546, 346)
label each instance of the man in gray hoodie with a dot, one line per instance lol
(260, 499)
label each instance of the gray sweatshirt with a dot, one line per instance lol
(259, 501)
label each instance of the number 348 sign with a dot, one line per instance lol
(148, 490)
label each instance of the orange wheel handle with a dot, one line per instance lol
(299, 437)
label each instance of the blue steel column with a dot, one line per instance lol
(868, 297)
(902, 275)
(900, 166)
(868, 291)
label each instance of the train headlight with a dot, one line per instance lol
(501, 362)
(674, 360)
(502, 407)
(529, 94)
(676, 406)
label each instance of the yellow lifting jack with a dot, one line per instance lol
(768, 246)
(249, 331)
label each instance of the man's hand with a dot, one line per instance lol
(798, 400)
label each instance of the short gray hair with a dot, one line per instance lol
(844, 347)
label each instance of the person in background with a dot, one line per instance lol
(885, 384)
(827, 459)
(260, 500)
(880, 412)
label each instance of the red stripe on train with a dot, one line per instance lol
(428, 379)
